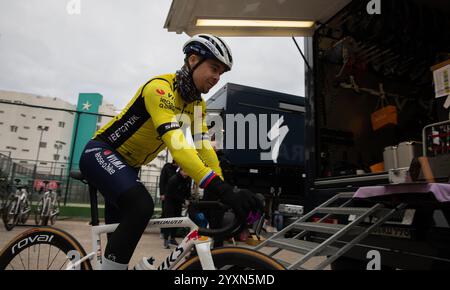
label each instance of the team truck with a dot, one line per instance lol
(372, 112)
(377, 130)
(262, 140)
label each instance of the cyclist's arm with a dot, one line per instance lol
(204, 147)
(159, 102)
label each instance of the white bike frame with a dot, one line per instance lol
(49, 200)
(21, 196)
(201, 243)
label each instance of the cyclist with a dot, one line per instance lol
(151, 121)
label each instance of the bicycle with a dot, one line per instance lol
(2, 202)
(74, 256)
(17, 208)
(47, 207)
(3, 193)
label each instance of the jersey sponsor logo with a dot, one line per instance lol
(92, 150)
(171, 126)
(166, 104)
(161, 92)
(115, 161)
(107, 152)
(166, 127)
(104, 164)
(123, 129)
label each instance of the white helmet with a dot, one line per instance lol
(209, 46)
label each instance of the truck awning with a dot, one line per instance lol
(256, 17)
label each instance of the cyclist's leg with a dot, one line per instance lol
(120, 185)
(112, 214)
(136, 206)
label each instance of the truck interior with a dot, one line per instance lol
(364, 64)
(369, 86)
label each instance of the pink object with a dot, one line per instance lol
(441, 191)
(253, 217)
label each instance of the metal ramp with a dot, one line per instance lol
(308, 249)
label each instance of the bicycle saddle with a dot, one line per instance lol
(77, 175)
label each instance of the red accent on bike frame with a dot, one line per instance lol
(192, 236)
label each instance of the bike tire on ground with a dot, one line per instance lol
(235, 258)
(29, 240)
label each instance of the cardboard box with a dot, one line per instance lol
(376, 168)
(383, 117)
(441, 77)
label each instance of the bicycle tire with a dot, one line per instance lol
(45, 212)
(37, 237)
(38, 212)
(45, 220)
(54, 217)
(24, 216)
(235, 258)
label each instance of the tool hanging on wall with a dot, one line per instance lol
(385, 113)
(399, 100)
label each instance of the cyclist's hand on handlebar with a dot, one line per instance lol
(242, 202)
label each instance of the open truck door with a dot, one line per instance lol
(372, 104)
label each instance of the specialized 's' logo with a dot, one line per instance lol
(161, 92)
(276, 135)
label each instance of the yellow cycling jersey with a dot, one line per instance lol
(152, 120)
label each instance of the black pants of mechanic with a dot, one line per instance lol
(172, 208)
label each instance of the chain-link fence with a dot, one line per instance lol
(16, 171)
(33, 173)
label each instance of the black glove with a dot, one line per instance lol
(242, 202)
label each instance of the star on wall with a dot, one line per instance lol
(87, 106)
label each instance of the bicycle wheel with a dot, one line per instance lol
(25, 212)
(42, 249)
(10, 215)
(38, 212)
(54, 213)
(235, 258)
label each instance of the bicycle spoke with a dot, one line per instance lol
(28, 258)
(39, 255)
(49, 250)
(59, 250)
(22, 261)
(63, 264)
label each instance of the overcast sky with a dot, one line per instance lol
(113, 46)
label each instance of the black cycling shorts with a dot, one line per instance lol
(104, 168)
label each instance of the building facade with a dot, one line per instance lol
(43, 131)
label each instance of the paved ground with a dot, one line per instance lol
(149, 245)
